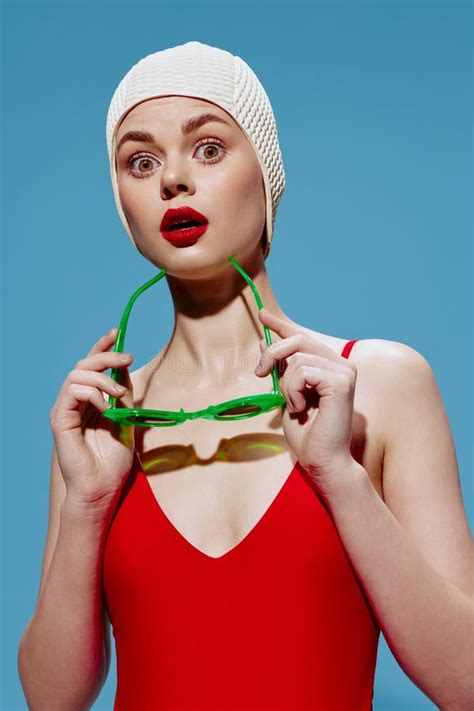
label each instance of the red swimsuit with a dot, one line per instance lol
(278, 623)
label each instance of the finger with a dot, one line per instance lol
(287, 329)
(126, 399)
(104, 360)
(98, 380)
(77, 393)
(70, 410)
(324, 381)
(299, 342)
(292, 387)
(104, 343)
(298, 359)
(277, 324)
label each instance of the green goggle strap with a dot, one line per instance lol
(120, 340)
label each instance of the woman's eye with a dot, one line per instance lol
(141, 164)
(210, 152)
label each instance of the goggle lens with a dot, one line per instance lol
(146, 420)
(238, 410)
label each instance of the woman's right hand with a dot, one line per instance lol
(95, 454)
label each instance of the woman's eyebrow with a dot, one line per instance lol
(188, 126)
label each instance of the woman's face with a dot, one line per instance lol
(212, 169)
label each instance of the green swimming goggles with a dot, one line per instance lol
(238, 409)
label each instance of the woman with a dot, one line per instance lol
(247, 563)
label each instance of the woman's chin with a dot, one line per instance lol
(201, 258)
(191, 262)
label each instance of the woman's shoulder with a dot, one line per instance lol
(372, 350)
(382, 365)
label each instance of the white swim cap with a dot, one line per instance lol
(198, 70)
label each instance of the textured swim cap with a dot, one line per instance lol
(198, 70)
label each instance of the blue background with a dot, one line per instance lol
(373, 107)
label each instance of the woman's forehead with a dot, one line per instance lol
(150, 110)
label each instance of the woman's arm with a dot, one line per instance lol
(63, 653)
(413, 554)
(61, 660)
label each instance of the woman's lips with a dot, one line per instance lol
(186, 236)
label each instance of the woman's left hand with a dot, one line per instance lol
(318, 386)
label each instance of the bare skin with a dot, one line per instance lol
(236, 493)
(214, 347)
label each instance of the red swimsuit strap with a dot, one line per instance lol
(348, 347)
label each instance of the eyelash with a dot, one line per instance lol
(205, 141)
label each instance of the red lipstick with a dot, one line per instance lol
(183, 226)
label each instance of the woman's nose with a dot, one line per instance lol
(174, 179)
(172, 188)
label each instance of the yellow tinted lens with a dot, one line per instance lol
(254, 446)
(165, 459)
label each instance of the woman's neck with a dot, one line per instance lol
(217, 330)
